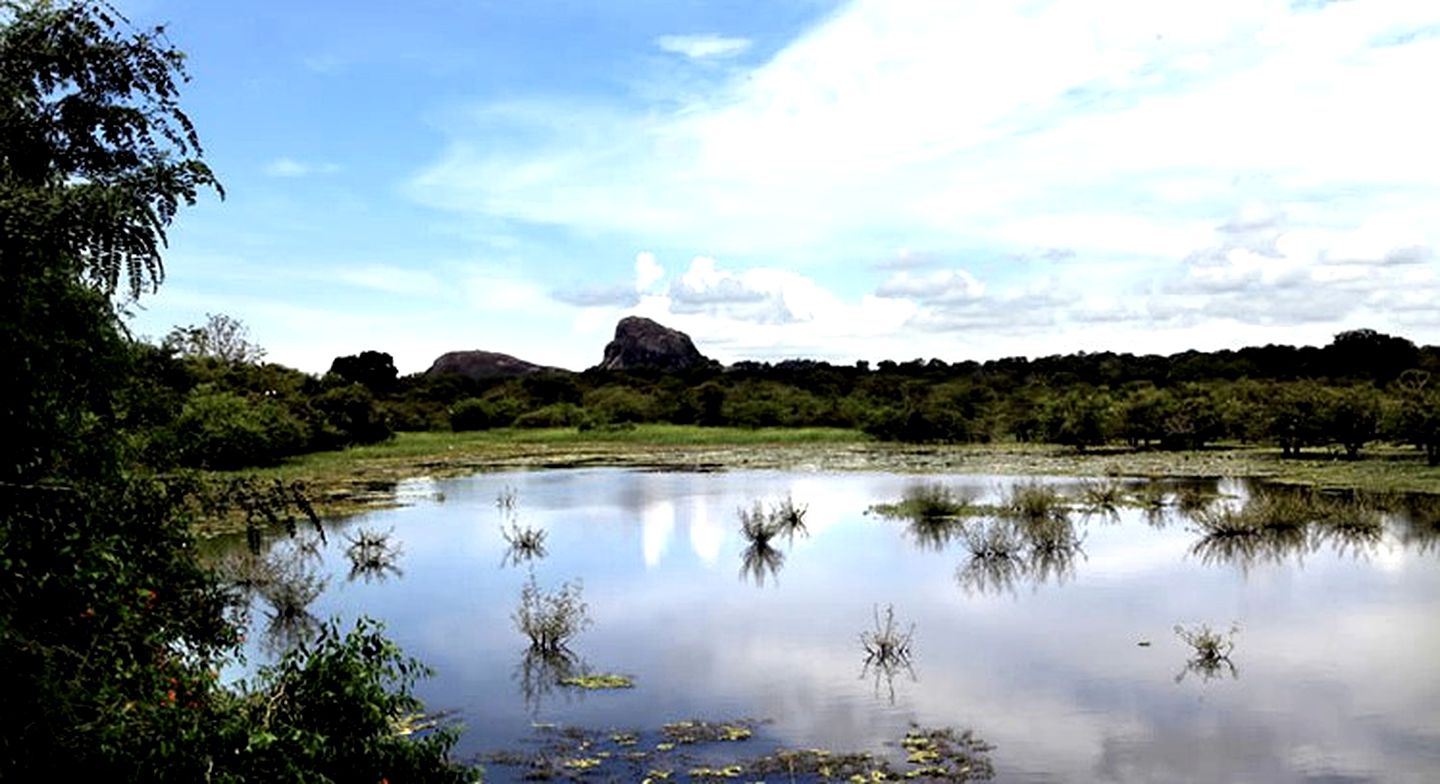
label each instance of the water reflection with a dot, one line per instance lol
(539, 674)
(1004, 552)
(373, 556)
(760, 559)
(1336, 660)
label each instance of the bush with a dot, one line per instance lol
(472, 413)
(225, 431)
(550, 619)
(351, 416)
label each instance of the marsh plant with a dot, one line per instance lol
(524, 543)
(550, 619)
(372, 554)
(1030, 502)
(761, 526)
(928, 501)
(505, 499)
(887, 651)
(1209, 651)
(886, 644)
(540, 673)
(1102, 496)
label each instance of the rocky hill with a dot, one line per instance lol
(482, 365)
(642, 343)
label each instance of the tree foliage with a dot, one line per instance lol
(110, 630)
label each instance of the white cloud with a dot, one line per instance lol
(1184, 165)
(647, 271)
(289, 167)
(700, 47)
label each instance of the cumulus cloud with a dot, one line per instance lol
(1150, 156)
(700, 47)
(648, 271)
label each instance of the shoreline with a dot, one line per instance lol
(362, 479)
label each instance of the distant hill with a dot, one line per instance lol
(483, 365)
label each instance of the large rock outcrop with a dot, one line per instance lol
(642, 343)
(483, 364)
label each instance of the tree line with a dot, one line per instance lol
(206, 409)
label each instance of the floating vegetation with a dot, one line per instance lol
(523, 543)
(372, 555)
(1210, 651)
(693, 731)
(597, 681)
(550, 619)
(930, 502)
(944, 755)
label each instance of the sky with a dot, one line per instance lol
(861, 180)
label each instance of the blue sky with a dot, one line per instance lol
(786, 178)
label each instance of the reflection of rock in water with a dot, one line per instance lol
(760, 559)
(540, 672)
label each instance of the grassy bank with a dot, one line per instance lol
(364, 477)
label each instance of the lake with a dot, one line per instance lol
(1069, 667)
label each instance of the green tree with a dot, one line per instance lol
(109, 628)
(221, 338)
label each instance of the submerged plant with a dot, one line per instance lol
(550, 619)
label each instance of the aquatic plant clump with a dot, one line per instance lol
(525, 543)
(1210, 651)
(929, 501)
(371, 554)
(1032, 501)
(550, 619)
(598, 681)
(886, 644)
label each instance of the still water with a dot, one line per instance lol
(1072, 671)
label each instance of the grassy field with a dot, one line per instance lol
(364, 477)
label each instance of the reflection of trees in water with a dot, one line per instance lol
(286, 578)
(293, 586)
(1418, 522)
(933, 532)
(1004, 553)
(1248, 550)
(759, 559)
(540, 672)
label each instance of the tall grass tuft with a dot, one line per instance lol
(525, 543)
(1031, 502)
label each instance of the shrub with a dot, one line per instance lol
(472, 413)
(225, 431)
(550, 619)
